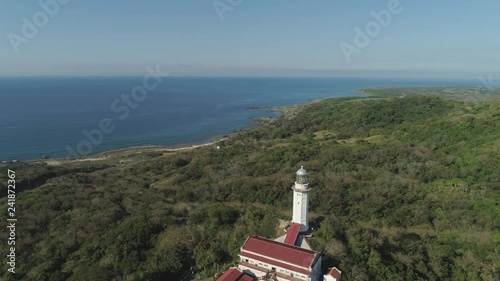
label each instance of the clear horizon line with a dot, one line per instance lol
(185, 75)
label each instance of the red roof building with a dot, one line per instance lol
(260, 257)
(289, 257)
(234, 274)
(292, 234)
(333, 275)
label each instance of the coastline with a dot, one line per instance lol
(56, 135)
(288, 112)
(284, 112)
(131, 150)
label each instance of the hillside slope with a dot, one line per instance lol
(403, 189)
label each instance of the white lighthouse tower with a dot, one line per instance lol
(301, 200)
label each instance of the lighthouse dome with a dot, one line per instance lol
(301, 171)
(301, 176)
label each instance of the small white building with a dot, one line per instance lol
(333, 275)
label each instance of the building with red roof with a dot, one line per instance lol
(289, 257)
(260, 256)
(292, 234)
(333, 275)
(234, 274)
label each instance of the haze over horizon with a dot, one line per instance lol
(252, 38)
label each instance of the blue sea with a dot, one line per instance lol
(48, 115)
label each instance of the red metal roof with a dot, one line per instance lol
(335, 273)
(276, 263)
(292, 234)
(279, 254)
(233, 274)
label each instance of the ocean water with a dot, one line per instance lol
(48, 115)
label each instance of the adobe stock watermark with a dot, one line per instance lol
(363, 37)
(223, 6)
(486, 84)
(121, 107)
(48, 9)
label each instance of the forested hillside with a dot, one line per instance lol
(403, 189)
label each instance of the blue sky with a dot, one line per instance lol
(187, 37)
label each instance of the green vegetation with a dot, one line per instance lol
(403, 189)
(479, 94)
